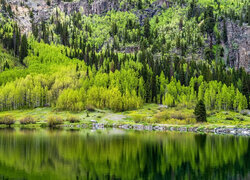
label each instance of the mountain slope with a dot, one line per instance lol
(122, 54)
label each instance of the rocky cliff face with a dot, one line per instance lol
(238, 37)
(244, 50)
(97, 7)
(24, 10)
(239, 45)
(42, 11)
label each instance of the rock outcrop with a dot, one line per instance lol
(42, 11)
(238, 45)
(244, 50)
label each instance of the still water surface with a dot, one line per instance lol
(118, 154)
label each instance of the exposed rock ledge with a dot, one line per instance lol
(140, 127)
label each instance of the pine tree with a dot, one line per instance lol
(24, 48)
(209, 23)
(224, 31)
(114, 29)
(248, 12)
(146, 28)
(200, 112)
(139, 4)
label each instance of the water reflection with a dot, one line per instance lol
(117, 154)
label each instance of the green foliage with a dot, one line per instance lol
(54, 121)
(162, 116)
(174, 116)
(200, 112)
(224, 35)
(28, 120)
(24, 48)
(146, 28)
(72, 100)
(121, 59)
(73, 119)
(248, 13)
(139, 118)
(7, 61)
(7, 120)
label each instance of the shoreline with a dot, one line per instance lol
(244, 131)
(151, 117)
(206, 128)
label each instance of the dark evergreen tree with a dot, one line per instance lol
(139, 4)
(209, 23)
(209, 54)
(34, 29)
(114, 29)
(146, 28)
(200, 112)
(6, 66)
(23, 48)
(48, 2)
(16, 39)
(224, 31)
(45, 35)
(248, 12)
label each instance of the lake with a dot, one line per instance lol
(121, 154)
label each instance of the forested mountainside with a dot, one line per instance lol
(120, 54)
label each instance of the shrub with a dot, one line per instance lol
(162, 116)
(178, 115)
(175, 121)
(153, 120)
(229, 118)
(7, 120)
(190, 121)
(73, 119)
(27, 120)
(90, 108)
(241, 118)
(174, 116)
(139, 118)
(54, 120)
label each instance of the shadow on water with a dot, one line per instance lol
(200, 140)
(24, 129)
(119, 154)
(7, 129)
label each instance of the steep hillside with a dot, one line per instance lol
(7, 61)
(121, 54)
(236, 51)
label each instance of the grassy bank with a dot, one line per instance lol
(149, 114)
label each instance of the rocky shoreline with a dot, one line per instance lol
(140, 127)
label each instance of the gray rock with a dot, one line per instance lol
(245, 112)
(149, 127)
(182, 129)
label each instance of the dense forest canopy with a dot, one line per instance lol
(176, 56)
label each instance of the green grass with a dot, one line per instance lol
(148, 114)
(228, 118)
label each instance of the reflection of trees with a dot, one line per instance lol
(144, 155)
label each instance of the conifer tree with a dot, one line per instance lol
(209, 23)
(224, 31)
(139, 4)
(248, 12)
(146, 28)
(24, 48)
(200, 112)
